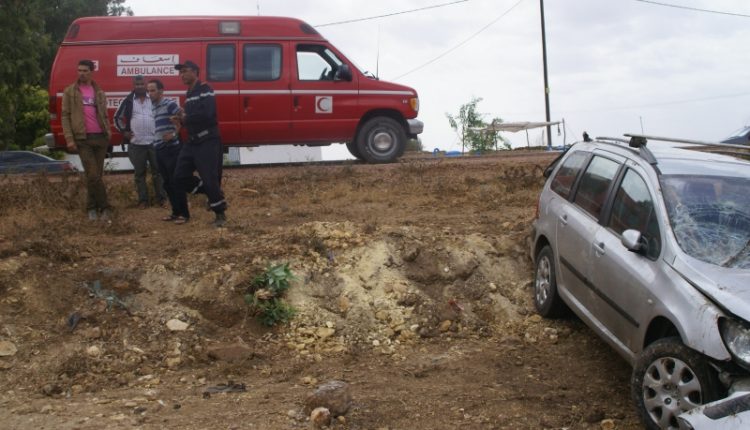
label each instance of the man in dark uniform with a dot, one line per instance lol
(202, 151)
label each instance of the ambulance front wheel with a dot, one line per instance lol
(381, 140)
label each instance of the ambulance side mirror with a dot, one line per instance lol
(344, 73)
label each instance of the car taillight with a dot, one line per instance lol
(52, 107)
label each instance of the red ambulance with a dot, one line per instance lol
(276, 80)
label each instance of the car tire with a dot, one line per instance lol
(352, 147)
(668, 379)
(546, 298)
(381, 140)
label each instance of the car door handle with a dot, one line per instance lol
(246, 103)
(563, 219)
(599, 248)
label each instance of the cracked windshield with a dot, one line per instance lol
(710, 216)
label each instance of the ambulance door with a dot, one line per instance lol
(265, 98)
(324, 100)
(222, 75)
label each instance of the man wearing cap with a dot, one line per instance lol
(86, 130)
(202, 151)
(135, 120)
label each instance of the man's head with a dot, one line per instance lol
(85, 68)
(139, 85)
(155, 89)
(189, 72)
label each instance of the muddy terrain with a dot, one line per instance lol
(413, 286)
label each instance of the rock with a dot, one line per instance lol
(7, 349)
(93, 351)
(47, 409)
(325, 332)
(177, 325)
(320, 417)
(92, 333)
(333, 395)
(51, 389)
(173, 362)
(607, 424)
(230, 352)
(536, 318)
(445, 326)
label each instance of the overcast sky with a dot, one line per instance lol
(613, 64)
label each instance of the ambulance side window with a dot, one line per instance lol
(316, 63)
(261, 62)
(220, 63)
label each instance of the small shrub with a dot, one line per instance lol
(264, 293)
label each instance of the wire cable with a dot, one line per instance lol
(460, 44)
(694, 9)
(391, 14)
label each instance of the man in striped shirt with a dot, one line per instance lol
(168, 146)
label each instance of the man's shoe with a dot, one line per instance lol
(221, 220)
(92, 214)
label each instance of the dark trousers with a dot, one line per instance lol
(92, 152)
(166, 159)
(143, 156)
(207, 157)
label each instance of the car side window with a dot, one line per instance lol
(316, 63)
(563, 181)
(592, 191)
(633, 208)
(261, 62)
(221, 63)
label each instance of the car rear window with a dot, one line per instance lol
(562, 183)
(592, 191)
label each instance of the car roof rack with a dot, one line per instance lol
(694, 142)
(637, 142)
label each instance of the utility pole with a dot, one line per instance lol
(546, 81)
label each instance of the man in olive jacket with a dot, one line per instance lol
(86, 130)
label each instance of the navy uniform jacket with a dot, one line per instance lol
(200, 111)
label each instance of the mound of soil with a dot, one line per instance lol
(412, 285)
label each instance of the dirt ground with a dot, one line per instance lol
(413, 287)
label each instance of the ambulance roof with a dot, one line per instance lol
(118, 29)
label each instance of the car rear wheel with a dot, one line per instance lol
(668, 379)
(381, 140)
(546, 299)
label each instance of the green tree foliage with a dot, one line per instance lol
(30, 32)
(469, 124)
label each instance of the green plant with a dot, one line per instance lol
(264, 295)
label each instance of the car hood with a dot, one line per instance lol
(728, 287)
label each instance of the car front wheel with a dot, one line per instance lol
(668, 379)
(381, 140)
(546, 298)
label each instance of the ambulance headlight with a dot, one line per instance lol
(414, 103)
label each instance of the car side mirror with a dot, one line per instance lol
(633, 241)
(344, 73)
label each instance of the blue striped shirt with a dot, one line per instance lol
(163, 110)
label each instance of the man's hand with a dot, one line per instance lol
(168, 136)
(127, 134)
(71, 145)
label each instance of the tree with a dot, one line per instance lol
(470, 127)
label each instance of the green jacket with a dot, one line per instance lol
(73, 123)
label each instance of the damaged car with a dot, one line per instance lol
(647, 240)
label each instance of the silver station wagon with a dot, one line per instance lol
(647, 240)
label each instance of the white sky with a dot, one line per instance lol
(613, 64)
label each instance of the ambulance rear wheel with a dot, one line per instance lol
(381, 140)
(352, 147)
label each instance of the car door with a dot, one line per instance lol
(324, 106)
(622, 277)
(221, 75)
(578, 224)
(266, 99)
